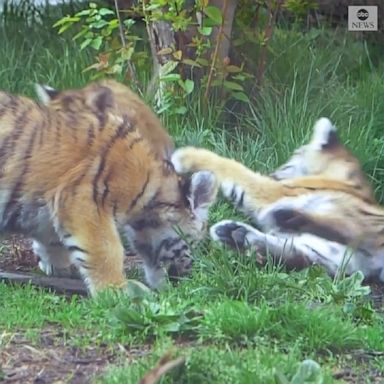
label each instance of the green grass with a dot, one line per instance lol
(234, 322)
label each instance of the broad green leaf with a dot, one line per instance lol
(241, 96)
(205, 31)
(66, 19)
(85, 12)
(180, 111)
(232, 85)
(136, 290)
(170, 77)
(96, 43)
(64, 28)
(81, 33)
(309, 372)
(106, 11)
(168, 67)
(85, 43)
(99, 24)
(190, 62)
(187, 85)
(233, 69)
(214, 14)
(202, 61)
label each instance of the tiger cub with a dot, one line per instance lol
(76, 170)
(318, 208)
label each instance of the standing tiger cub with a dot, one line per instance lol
(318, 208)
(75, 170)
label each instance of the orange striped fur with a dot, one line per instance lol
(79, 168)
(316, 208)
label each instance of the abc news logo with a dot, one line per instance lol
(362, 14)
(362, 18)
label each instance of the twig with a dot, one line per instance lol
(131, 69)
(272, 15)
(58, 284)
(216, 52)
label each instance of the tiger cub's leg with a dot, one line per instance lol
(92, 239)
(327, 215)
(296, 252)
(54, 258)
(249, 191)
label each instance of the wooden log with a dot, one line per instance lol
(60, 285)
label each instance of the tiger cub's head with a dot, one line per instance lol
(169, 226)
(326, 156)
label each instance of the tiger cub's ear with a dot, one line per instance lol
(202, 193)
(324, 135)
(45, 93)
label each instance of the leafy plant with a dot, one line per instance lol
(152, 317)
(118, 53)
(115, 44)
(308, 372)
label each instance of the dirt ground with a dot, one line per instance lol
(51, 362)
(54, 363)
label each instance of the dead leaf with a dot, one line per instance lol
(164, 365)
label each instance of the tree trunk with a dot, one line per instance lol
(228, 9)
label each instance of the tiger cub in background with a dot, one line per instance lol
(75, 170)
(318, 208)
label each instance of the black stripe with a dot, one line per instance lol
(321, 257)
(82, 262)
(372, 214)
(8, 145)
(106, 187)
(102, 118)
(121, 133)
(42, 129)
(135, 141)
(232, 196)
(140, 194)
(55, 243)
(15, 194)
(73, 248)
(147, 222)
(11, 103)
(57, 123)
(77, 182)
(95, 181)
(241, 200)
(91, 134)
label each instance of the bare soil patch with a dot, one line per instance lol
(53, 362)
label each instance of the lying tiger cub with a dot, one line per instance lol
(79, 167)
(318, 208)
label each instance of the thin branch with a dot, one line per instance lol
(121, 30)
(131, 69)
(216, 52)
(272, 15)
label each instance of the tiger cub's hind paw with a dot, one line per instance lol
(231, 233)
